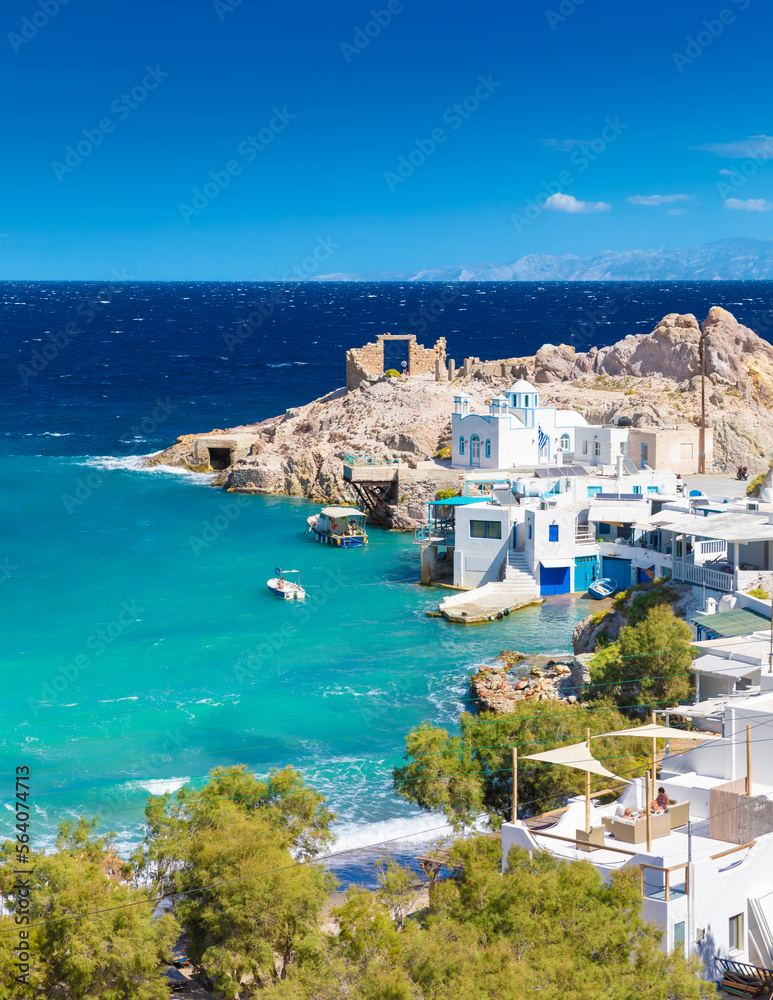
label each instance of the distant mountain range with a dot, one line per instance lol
(722, 260)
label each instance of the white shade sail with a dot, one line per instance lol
(577, 755)
(651, 730)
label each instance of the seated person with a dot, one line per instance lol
(631, 814)
(663, 800)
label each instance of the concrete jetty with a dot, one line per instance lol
(491, 602)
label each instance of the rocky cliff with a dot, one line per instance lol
(652, 378)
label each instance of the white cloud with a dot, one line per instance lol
(566, 145)
(568, 203)
(657, 199)
(749, 205)
(675, 211)
(724, 172)
(756, 147)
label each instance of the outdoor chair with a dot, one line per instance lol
(590, 841)
(634, 831)
(678, 814)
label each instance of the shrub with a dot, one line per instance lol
(759, 592)
(753, 489)
(643, 602)
(444, 452)
(392, 373)
(447, 494)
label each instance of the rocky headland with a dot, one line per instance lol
(654, 379)
(517, 677)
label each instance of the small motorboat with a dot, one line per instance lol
(288, 590)
(343, 527)
(605, 587)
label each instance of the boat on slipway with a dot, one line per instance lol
(288, 590)
(605, 587)
(343, 527)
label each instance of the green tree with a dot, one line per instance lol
(545, 927)
(116, 954)
(462, 776)
(650, 662)
(232, 849)
(258, 907)
(292, 808)
(399, 889)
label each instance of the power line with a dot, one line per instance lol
(234, 881)
(246, 878)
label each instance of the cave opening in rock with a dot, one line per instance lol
(219, 458)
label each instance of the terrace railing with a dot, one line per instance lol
(716, 579)
(361, 460)
(428, 534)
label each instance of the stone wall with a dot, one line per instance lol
(366, 362)
(514, 369)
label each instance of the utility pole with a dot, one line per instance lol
(770, 653)
(702, 442)
(515, 786)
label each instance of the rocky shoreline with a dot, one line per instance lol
(520, 677)
(653, 379)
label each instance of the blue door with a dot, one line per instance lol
(618, 569)
(553, 580)
(586, 570)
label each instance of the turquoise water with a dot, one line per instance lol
(147, 649)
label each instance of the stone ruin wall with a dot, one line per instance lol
(366, 362)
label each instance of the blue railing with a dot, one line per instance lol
(364, 460)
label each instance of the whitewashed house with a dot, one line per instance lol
(517, 432)
(707, 867)
(546, 528)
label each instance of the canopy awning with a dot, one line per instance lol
(342, 512)
(577, 755)
(618, 512)
(719, 666)
(456, 501)
(726, 624)
(652, 730)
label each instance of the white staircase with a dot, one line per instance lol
(494, 600)
(518, 576)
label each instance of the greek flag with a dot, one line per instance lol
(542, 439)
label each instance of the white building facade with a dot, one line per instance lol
(517, 432)
(709, 884)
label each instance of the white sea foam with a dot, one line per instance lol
(399, 830)
(156, 786)
(136, 463)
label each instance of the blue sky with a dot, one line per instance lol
(339, 144)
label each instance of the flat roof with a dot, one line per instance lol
(737, 526)
(720, 666)
(726, 624)
(618, 511)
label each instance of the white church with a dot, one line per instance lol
(518, 433)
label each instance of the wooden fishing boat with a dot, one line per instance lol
(343, 527)
(288, 590)
(605, 587)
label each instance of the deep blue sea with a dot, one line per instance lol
(136, 658)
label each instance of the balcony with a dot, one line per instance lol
(715, 578)
(433, 534)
